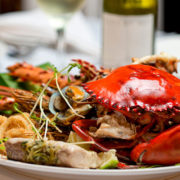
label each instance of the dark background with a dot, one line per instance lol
(168, 21)
(10, 5)
(171, 16)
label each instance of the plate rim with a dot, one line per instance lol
(90, 172)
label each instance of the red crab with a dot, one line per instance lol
(139, 92)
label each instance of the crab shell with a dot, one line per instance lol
(138, 85)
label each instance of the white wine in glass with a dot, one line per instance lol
(59, 12)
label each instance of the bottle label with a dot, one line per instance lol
(126, 36)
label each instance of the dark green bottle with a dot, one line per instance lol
(128, 30)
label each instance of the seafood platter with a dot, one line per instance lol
(119, 123)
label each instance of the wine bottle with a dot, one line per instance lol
(128, 30)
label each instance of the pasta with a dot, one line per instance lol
(15, 126)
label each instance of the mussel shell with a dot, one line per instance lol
(51, 103)
(83, 109)
(86, 95)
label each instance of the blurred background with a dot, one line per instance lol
(93, 8)
(27, 35)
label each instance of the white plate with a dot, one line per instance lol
(50, 172)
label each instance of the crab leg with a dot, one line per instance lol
(80, 127)
(89, 71)
(163, 149)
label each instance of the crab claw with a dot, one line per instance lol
(162, 150)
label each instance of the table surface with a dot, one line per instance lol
(9, 174)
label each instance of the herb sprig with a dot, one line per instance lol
(39, 100)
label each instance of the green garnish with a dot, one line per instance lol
(7, 112)
(3, 140)
(40, 152)
(41, 94)
(153, 166)
(40, 97)
(71, 66)
(45, 66)
(68, 68)
(8, 81)
(33, 116)
(30, 86)
(109, 159)
(67, 102)
(2, 147)
(178, 164)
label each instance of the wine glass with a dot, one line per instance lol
(59, 12)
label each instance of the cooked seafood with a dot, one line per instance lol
(75, 95)
(26, 99)
(90, 72)
(140, 92)
(27, 72)
(131, 111)
(115, 126)
(6, 103)
(52, 153)
(162, 61)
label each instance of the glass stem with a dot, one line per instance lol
(60, 41)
